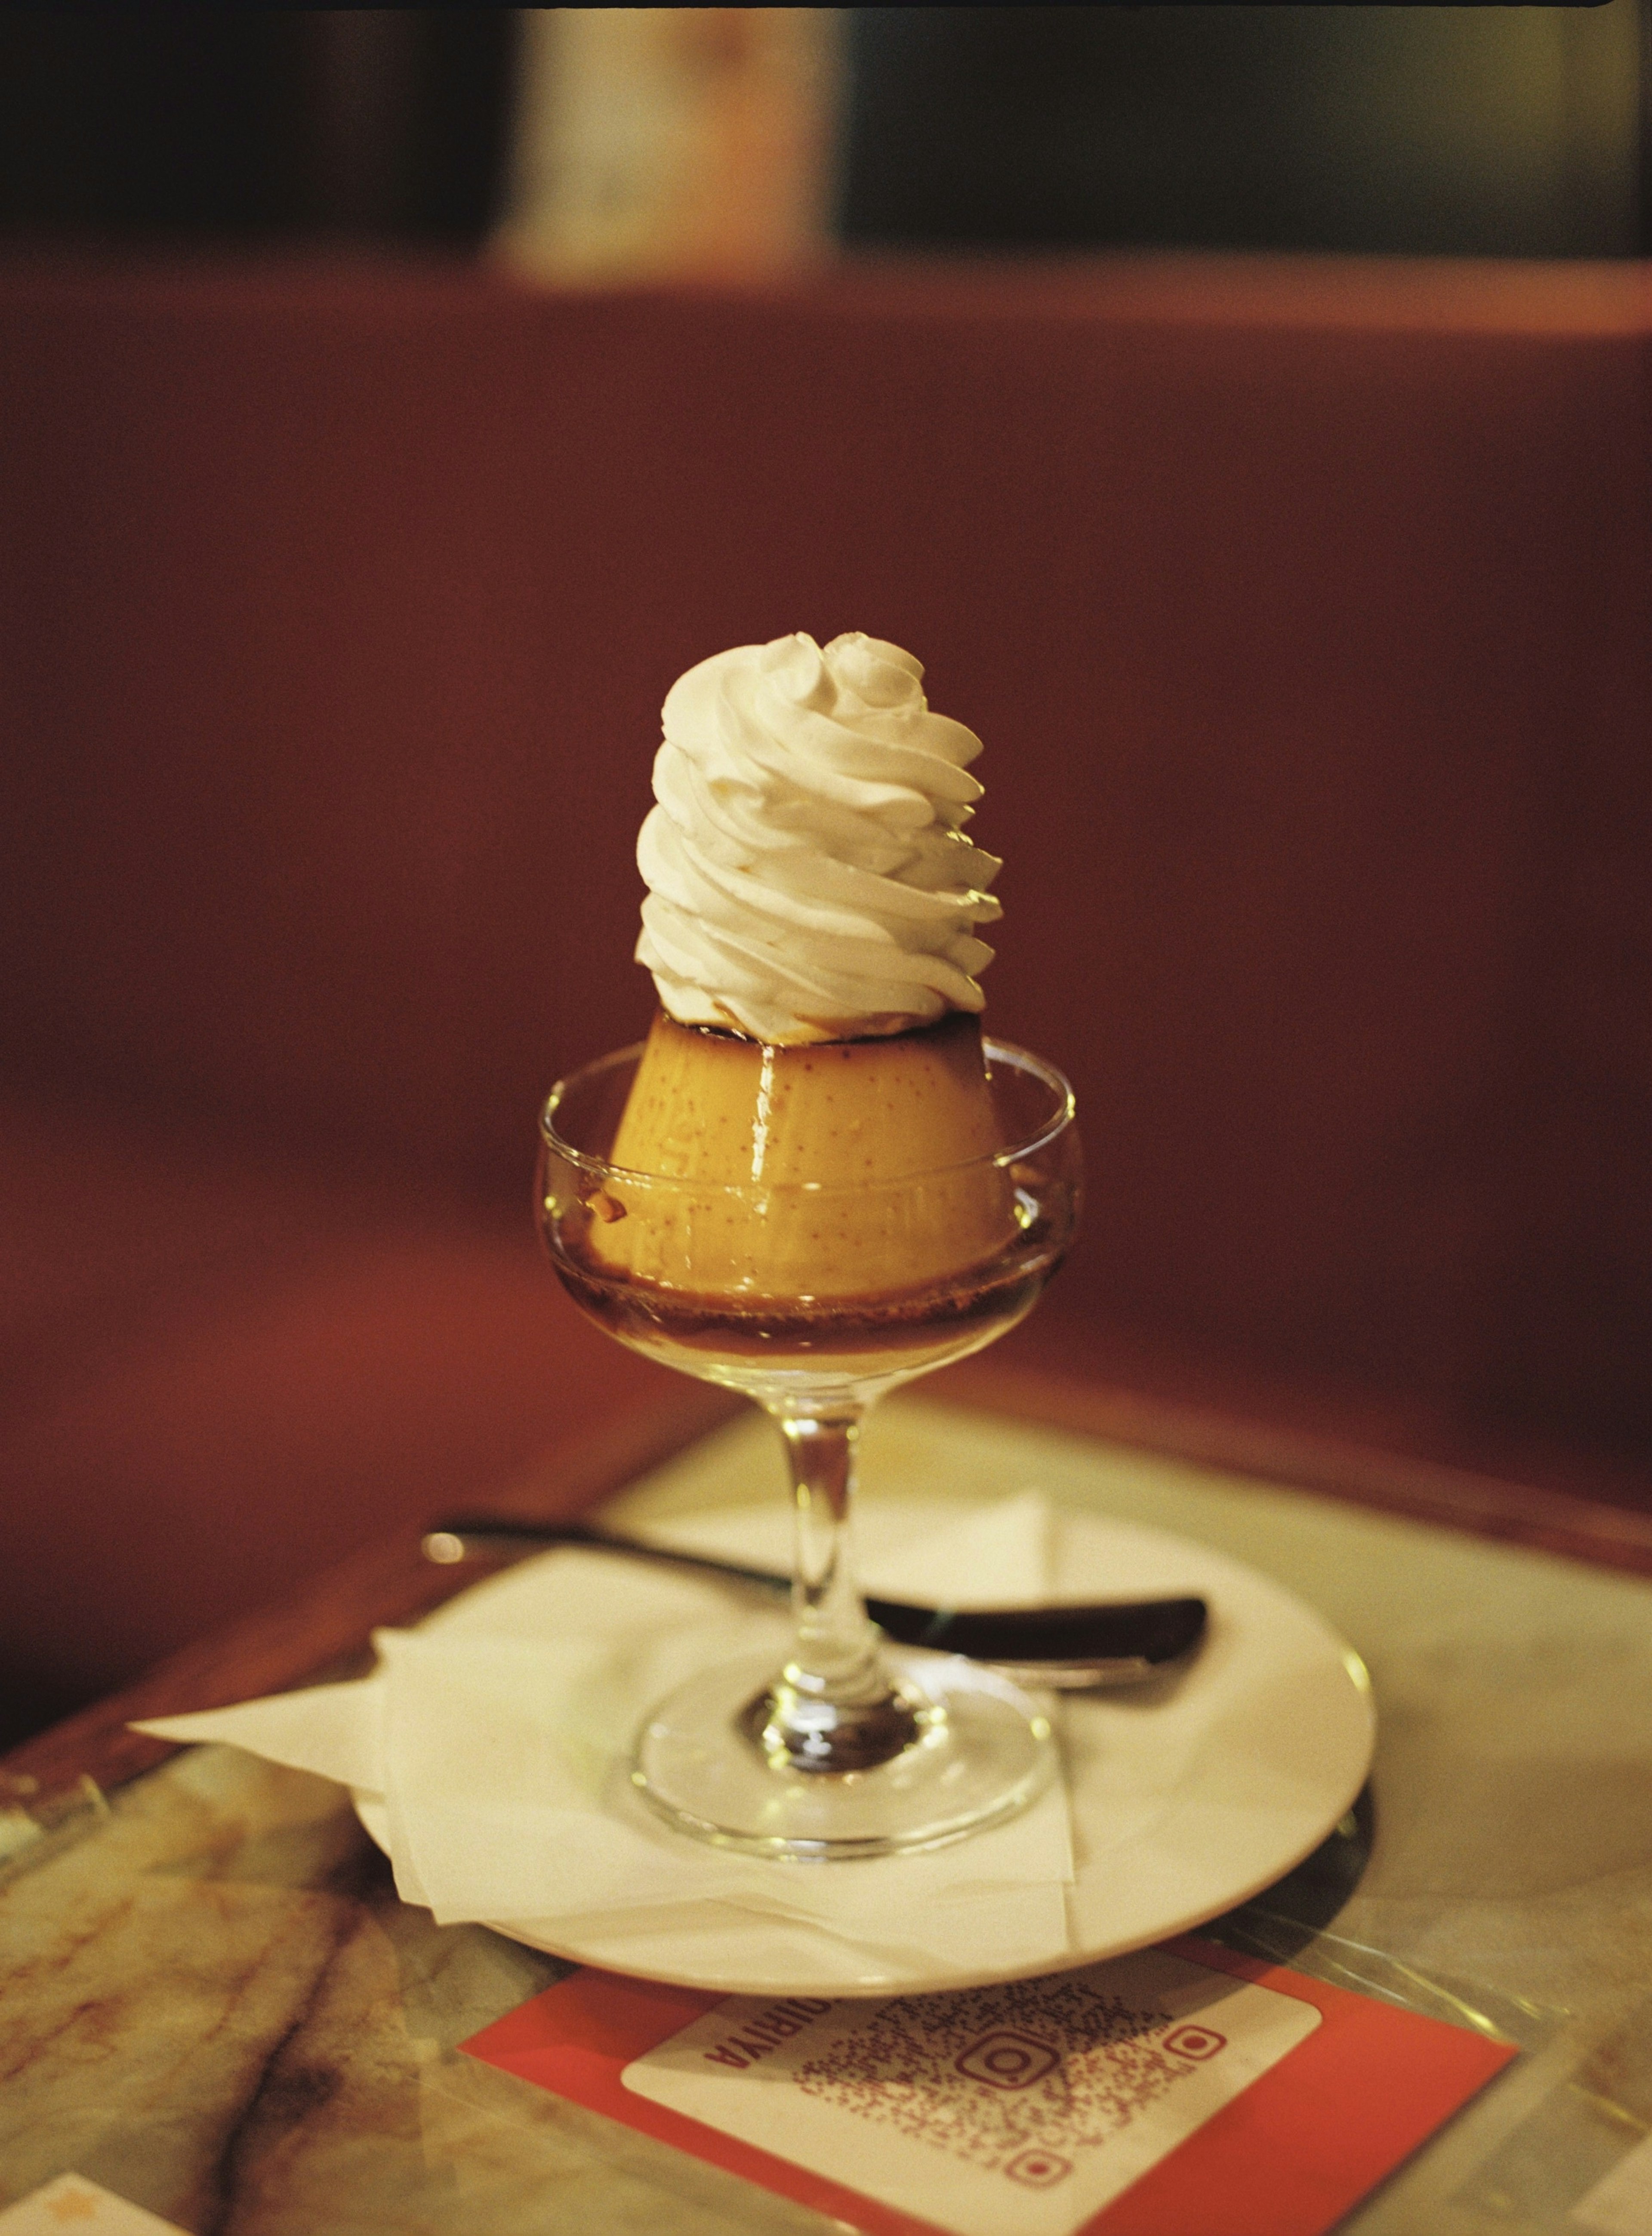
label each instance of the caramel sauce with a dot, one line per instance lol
(902, 1328)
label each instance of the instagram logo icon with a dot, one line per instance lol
(1007, 2059)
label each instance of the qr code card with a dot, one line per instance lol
(1015, 2110)
(1184, 2089)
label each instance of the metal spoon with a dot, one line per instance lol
(1062, 1648)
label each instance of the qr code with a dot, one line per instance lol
(1015, 2079)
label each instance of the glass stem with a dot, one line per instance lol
(833, 1707)
(835, 1650)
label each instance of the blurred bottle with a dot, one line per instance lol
(659, 142)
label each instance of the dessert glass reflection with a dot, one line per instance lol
(812, 1182)
(850, 1748)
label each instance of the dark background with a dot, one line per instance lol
(1422, 130)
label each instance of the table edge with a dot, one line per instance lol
(325, 1628)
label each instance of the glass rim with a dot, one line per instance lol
(1016, 1152)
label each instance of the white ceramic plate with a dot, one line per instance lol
(1187, 1795)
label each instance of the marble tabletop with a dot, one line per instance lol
(215, 2006)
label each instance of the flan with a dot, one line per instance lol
(837, 1169)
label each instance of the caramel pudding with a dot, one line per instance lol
(835, 1118)
(807, 1163)
(763, 1203)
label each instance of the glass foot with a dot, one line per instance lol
(981, 1751)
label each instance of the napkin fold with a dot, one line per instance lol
(490, 1749)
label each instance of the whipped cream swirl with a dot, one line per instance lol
(808, 875)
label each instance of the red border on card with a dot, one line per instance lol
(577, 2038)
(1288, 2157)
(1303, 2145)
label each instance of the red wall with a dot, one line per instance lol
(1303, 608)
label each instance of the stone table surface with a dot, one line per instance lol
(214, 2004)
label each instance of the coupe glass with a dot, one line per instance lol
(852, 1748)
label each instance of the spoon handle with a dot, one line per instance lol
(1067, 1648)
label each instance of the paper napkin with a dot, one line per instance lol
(496, 1742)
